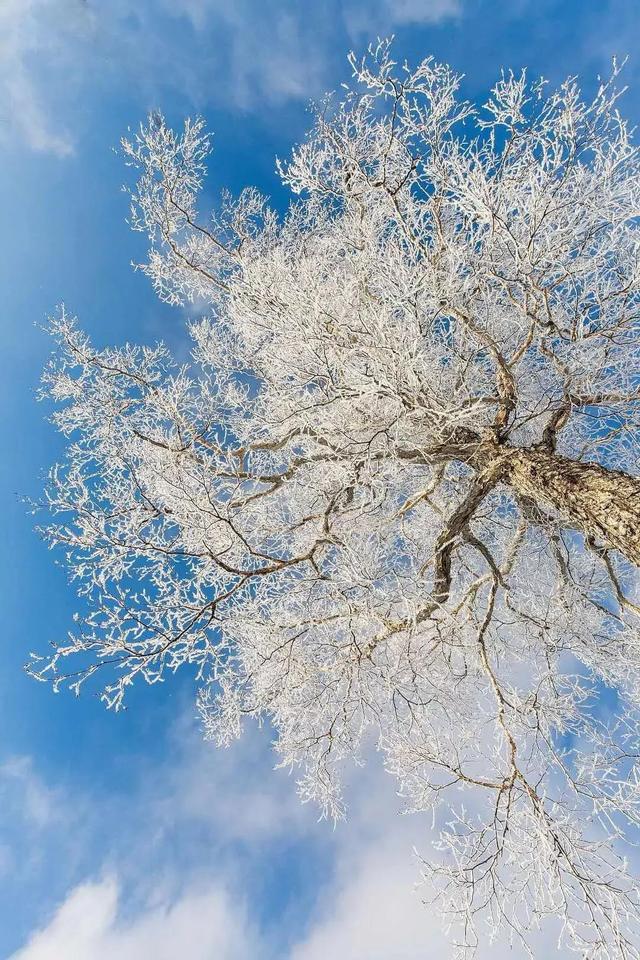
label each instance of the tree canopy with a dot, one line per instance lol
(394, 496)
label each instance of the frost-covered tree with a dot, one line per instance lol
(396, 493)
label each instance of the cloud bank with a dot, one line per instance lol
(202, 925)
(211, 856)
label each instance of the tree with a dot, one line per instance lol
(396, 491)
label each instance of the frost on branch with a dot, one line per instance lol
(396, 491)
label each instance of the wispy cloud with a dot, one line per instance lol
(365, 18)
(276, 50)
(55, 54)
(22, 789)
(421, 11)
(35, 38)
(32, 817)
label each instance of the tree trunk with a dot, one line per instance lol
(602, 503)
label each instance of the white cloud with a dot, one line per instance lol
(235, 791)
(55, 54)
(33, 815)
(368, 912)
(361, 905)
(372, 910)
(422, 11)
(364, 905)
(191, 866)
(35, 36)
(279, 50)
(368, 18)
(21, 787)
(204, 924)
(372, 906)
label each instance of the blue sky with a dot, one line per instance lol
(125, 835)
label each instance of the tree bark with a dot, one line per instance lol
(602, 503)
